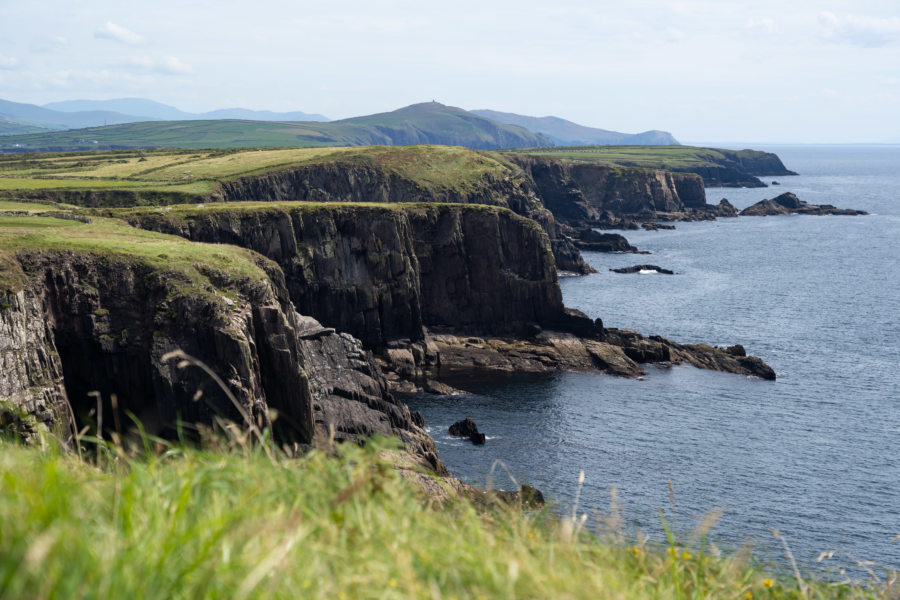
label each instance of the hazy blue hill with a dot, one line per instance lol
(30, 114)
(150, 110)
(567, 133)
(428, 123)
(13, 128)
(261, 115)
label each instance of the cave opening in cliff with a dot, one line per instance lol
(88, 371)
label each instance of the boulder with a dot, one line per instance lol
(468, 429)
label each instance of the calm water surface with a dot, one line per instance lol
(815, 454)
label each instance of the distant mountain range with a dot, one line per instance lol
(77, 114)
(567, 133)
(95, 124)
(427, 123)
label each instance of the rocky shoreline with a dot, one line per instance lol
(350, 303)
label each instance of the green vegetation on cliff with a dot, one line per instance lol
(650, 157)
(197, 172)
(717, 166)
(178, 523)
(191, 263)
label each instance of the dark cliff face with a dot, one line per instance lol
(31, 373)
(580, 193)
(381, 273)
(352, 268)
(85, 323)
(356, 182)
(112, 321)
(484, 270)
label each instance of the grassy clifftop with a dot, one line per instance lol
(717, 166)
(192, 263)
(196, 172)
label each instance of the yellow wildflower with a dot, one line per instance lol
(768, 582)
(686, 555)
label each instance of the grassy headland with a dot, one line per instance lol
(195, 173)
(190, 262)
(170, 522)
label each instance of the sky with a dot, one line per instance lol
(798, 71)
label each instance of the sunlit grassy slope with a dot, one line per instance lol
(655, 157)
(174, 523)
(189, 263)
(197, 171)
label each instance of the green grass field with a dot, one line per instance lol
(655, 157)
(230, 522)
(197, 171)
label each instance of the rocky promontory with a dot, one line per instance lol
(790, 204)
(588, 239)
(97, 307)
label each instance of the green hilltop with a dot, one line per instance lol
(426, 123)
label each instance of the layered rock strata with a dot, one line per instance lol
(482, 273)
(383, 273)
(74, 322)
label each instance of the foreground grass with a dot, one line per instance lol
(176, 523)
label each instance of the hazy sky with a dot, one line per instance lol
(719, 70)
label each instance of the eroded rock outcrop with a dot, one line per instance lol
(382, 273)
(113, 319)
(86, 321)
(594, 241)
(354, 182)
(483, 274)
(580, 194)
(31, 374)
(790, 204)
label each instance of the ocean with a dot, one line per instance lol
(814, 455)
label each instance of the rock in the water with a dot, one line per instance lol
(463, 428)
(643, 268)
(588, 239)
(790, 204)
(726, 209)
(656, 226)
(468, 429)
(775, 183)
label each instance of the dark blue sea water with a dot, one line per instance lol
(815, 454)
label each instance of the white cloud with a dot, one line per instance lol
(169, 65)
(8, 62)
(75, 77)
(111, 31)
(869, 32)
(765, 25)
